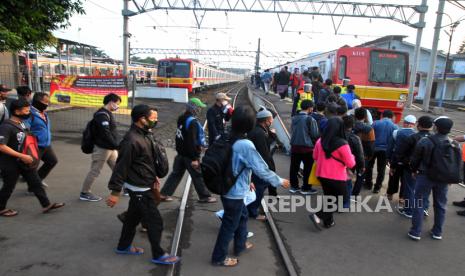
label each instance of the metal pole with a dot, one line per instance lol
(433, 57)
(67, 60)
(90, 64)
(29, 71)
(257, 61)
(125, 38)
(133, 99)
(38, 87)
(416, 54)
(59, 59)
(441, 99)
(84, 58)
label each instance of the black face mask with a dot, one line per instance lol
(40, 105)
(23, 116)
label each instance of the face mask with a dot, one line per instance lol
(114, 106)
(40, 106)
(150, 124)
(23, 116)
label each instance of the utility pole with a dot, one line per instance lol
(257, 61)
(126, 36)
(451, 34)
(416, 55)
(433, 57)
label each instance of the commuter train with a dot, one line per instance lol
(186, 73)
(379, 75)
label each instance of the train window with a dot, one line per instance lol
(73, 70)
(322, 65)
(45, 69)
(180, 69)
(388, 67)
(342, 67)
(57, 69)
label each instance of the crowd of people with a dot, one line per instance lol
(332, 136)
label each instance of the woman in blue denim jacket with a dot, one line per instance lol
(245, 160)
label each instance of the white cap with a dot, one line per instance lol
(264, 114)
(410, 119)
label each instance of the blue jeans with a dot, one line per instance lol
(409, 193)
(233, 226)
(260, 187)
(424, 187)
(346, 203)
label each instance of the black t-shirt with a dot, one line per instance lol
(12, 135)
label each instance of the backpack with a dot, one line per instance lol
(216, 167)
(30, 147)
(181, 133)
(162, 164)
(446, 162)
(87, 141)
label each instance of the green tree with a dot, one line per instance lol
(150, 60)
(28, 24)
(461, 48)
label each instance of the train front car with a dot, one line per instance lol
(175, 72)
(380, 76)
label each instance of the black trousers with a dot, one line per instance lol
(47, 155)
(142, 208)
(180, 165)
(381, 162)
(334, 188)
(393, 184)
(296, 160)
(10, 175)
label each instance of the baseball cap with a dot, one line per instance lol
(4, 89)
(410, 119)
(264, 113)
(194, 104)
(222, 96)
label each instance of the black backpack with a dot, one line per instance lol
(216, 167)
(446, 162)
(162, 165)
(87, 141)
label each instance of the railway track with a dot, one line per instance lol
(235, 92)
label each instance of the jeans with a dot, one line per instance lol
(295, 102)
(346, 203)
(142, 208)
(47, 155)
(380, 156)
(260, 187)
(424, 187)
(267, 87)
(10, 177)
(296, 160)
(233, 226)
(335, 188)
(180, 165)
(410, 184)
(100, 156)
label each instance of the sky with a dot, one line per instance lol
(102, 26)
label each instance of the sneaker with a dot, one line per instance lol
(403, 213)
(435, 237)
(44, 185)
(461, 213)
(425, 212)
(310, 191)
(459, 203)
(208, 200)
(330, 225)
(294, 190)
(413, 237)
(250, 234)
(89, 197)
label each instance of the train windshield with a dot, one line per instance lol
(390, 67)
(175, 69)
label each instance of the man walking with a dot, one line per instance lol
(106, 144)
(190, 139)
(217, 116)
(135, 171)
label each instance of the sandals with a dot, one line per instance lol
(228, 262)
(52, 207)
(260, 218)
(166, 198)
(131, 250)
(8, 213)
(166, 260)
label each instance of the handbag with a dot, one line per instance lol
(313, 179)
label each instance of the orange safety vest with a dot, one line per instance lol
(463, 152)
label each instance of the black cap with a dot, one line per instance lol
(443, 124)
(4, 89)
(139, 111)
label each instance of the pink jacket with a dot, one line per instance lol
(331, 168)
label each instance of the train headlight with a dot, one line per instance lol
(403, 97)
